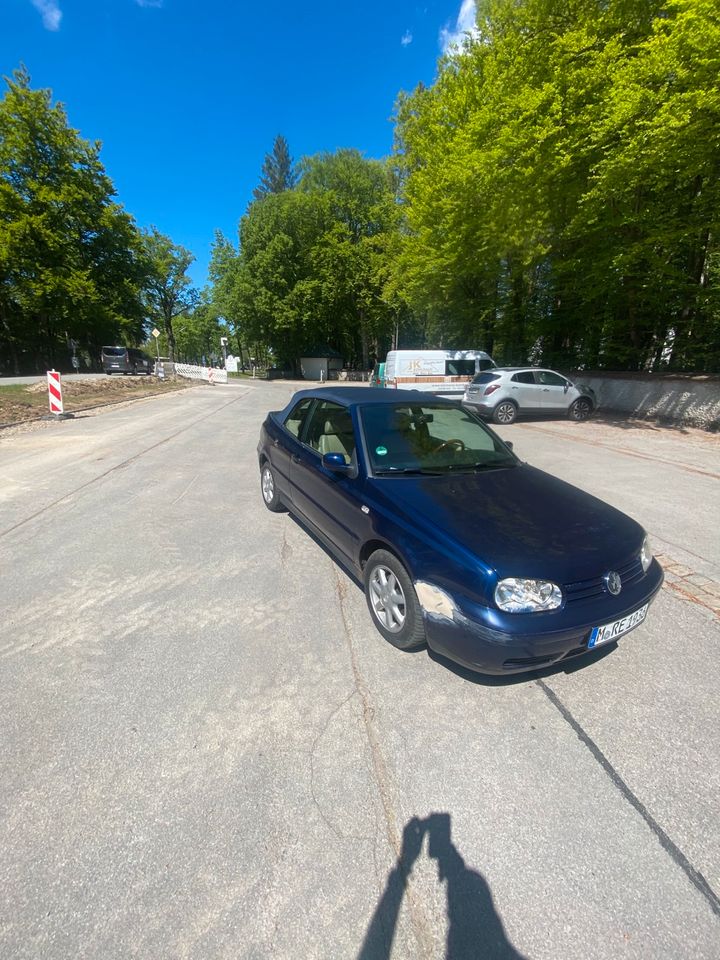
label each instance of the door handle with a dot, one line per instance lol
(295, 458)
(276, 443)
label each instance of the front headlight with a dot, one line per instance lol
(645, 555)
(527, 596)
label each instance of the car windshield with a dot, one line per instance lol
(430, 437)
(114, 351)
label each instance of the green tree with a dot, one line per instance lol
(70, 257)
(313, 262)
(197, 333)
(560, 184)
(353, 260)
(168, 292)
(278, 172)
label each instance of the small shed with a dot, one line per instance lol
(318, 362)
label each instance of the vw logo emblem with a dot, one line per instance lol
(613, 582)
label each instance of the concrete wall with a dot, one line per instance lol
(690, 400)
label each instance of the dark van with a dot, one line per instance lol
(126, 360)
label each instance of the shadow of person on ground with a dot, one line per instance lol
(475, 930)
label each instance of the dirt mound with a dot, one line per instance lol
(26, 401)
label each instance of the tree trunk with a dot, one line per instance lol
(364, 342)
(167, 320)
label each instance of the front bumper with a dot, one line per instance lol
(487, 641)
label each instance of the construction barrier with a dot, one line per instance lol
(54, 391)
(192, 372)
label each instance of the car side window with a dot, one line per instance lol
(295, 419)
(330, 430)
(549, 379)
(459, 368)
(525, 376)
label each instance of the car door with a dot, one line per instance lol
(525, 391)
(554, 391)
(284, 444)
(329, 501)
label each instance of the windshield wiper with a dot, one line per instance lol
(414, 471)
(477, 467)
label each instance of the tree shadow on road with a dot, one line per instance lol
(475, 930)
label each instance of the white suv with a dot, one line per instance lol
(506, 392)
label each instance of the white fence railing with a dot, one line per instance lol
(192, 372)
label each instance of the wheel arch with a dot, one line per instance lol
(370, 546)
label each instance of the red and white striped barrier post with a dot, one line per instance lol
(54, 392)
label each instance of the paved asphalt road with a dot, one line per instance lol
(209, 752)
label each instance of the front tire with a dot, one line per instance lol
(268, 487)
(392, 601)
(505, 412)
(580, 409)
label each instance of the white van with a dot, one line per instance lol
(436, 371)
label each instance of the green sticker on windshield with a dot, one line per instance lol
(381, 451)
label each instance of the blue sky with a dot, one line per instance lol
(187, 97)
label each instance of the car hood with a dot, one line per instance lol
(520, 521)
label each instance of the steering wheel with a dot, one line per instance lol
(458, 444)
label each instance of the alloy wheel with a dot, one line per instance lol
(387, 598)
(268, 485)
(505, 413)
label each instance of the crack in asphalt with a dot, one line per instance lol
(313, 748)
(119, 466)
(675, 853)
(382, 778)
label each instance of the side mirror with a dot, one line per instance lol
(567, 386)
(509, 444)
(335, 462)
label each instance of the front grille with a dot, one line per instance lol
(516, 663)
(629, 572)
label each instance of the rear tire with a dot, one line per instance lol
(268, 488)
(580, 409)
(392, 601)
(505, 412)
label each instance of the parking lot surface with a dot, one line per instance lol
(208, 750)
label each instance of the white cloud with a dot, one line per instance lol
(465, 24)
(149, 3)
(50, 12)
(407, 38)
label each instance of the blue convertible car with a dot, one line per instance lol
(493, 563)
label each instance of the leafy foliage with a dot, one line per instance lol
(312, 262)
(560, 185)
(167, 292)
(71, 264)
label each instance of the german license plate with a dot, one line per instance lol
(611, 631)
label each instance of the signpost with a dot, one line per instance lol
(159, 370)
